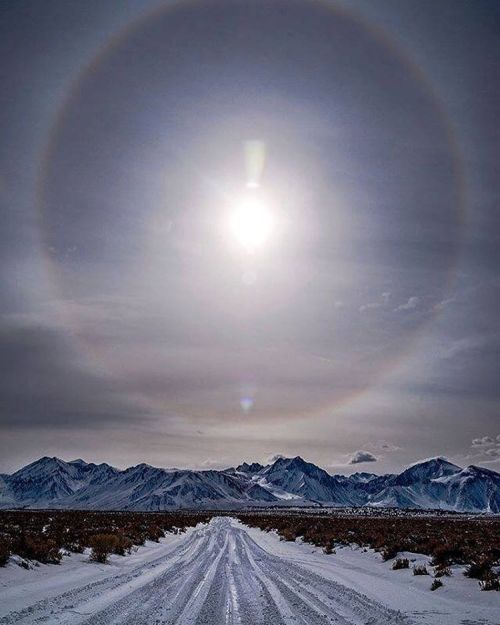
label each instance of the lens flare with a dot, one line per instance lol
(251, 223)
(255, 158)
(246, 404)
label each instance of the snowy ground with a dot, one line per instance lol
(226, 573)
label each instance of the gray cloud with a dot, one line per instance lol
(45, 383)
(493, 452)
(384, 300)
(467, 344)
(362, 456)
(411, 304)
(445, 303)
(274, 457)
(482, 441)
(382, 445)
(370, 306)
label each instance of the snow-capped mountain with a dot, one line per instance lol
(305, 481)
(437, 483)
(50, 479)
(434, 483)
(425, 471)
(473, 488)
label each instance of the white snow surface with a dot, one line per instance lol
(226, 573)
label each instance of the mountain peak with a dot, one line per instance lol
(472, 469)
(296, 461)
(253, 467)
(432, 483)
(426, 470)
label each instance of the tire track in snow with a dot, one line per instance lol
(329, 599)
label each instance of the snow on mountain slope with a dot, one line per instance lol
(7, 497)
(53, 482)
(50, 479)
(304, 479)
(434, 483)
(363, 477)
(473, 488)
(437, 483)
(426, 471)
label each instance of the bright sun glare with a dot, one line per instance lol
(251, 223)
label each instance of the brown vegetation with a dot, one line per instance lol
(42, 535)
(102, 545)
(447, 539)
(4, 553)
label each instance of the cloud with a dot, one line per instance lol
(388, 447)
(211, 463)
(483, 440)
(381, 446)
(44, 384)
(275, 457)
(370, 306)
(494, 451)
(467, 344)
(362, 456)
(384, 300)
(411, 304)
(445, 303)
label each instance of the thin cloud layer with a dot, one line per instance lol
(126, 310)
(482, 441)
(411, 304)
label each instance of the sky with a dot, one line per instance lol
(138, 321)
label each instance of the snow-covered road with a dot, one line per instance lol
(221, 573)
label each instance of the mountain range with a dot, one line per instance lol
(430, 484)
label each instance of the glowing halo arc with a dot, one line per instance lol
(385, 41)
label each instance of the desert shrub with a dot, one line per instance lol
(139, 539)
(74, 547)
(329, 548)
(301, 530)
(73, 530)
(400, 563)
(4, 553)
(436, 583)
(389, 552)
(288, 534)
(446, 538)
(442, 571)
(420, 569)
(39, 548)
(479, 570)
(123, 545)
(154, 533)
(491, 582)
(102, 545)
(444, 554)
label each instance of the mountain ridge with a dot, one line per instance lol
(435, 483)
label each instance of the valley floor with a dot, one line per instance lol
(227, 573)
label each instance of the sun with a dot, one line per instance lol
(251, 223)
